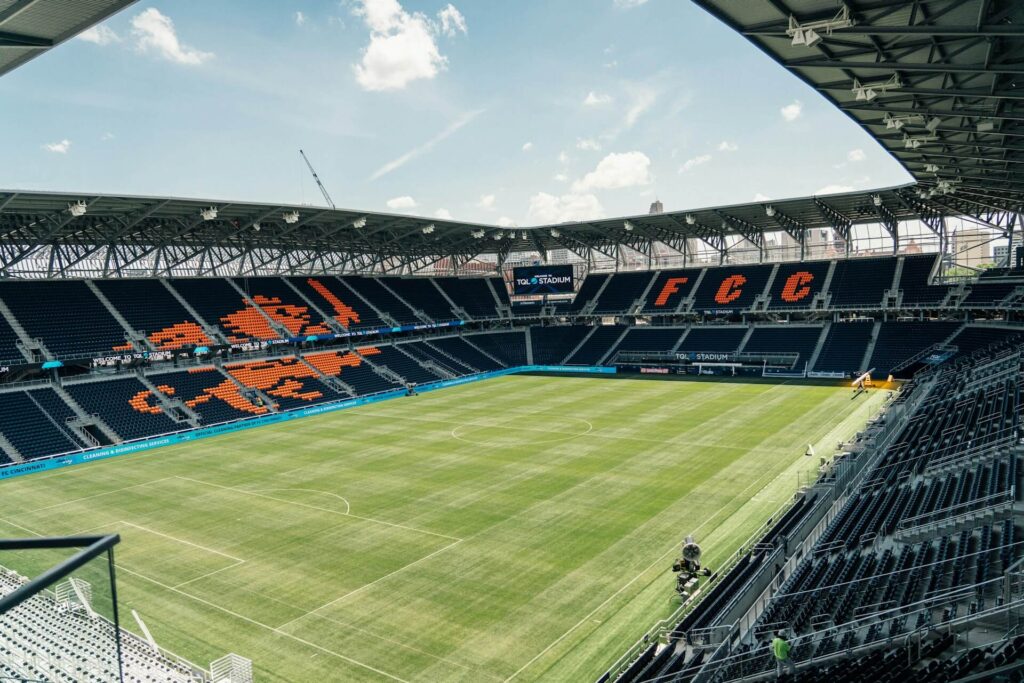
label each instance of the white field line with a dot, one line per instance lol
(673, 549)
(348, 506)
(98, 495)
(181, 540)
(18, 526)
(315, 507)
(597, 434)
(408, 647)
(209, 574)
(372, 583)
(260, 624)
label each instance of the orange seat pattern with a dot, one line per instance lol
(140, 402)
(331, 363)
(730, 289)
(797, 286)
(179, 335)
(344, 313)
(672, 286)
(174, 337)
(250, 322)
(282, 377)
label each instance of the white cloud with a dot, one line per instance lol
(61, 147)
(690, 164)
(107, 136)
(487, 202)
(506, 222)
(643, 99)
(403, 46)
(300, 19)
(761, 197)
(452, 21)
(458, 123)
(100, 35)
(588, 145)
(856, 155)
(403, 202)
(561, 177)
(594, 99)
(834, 189)
(547, 208)
(443, 214)
(726, 146)
(527, 146)
(616, 171)
(155, 31)
(629, 4)
(563, 158)
(791, 112)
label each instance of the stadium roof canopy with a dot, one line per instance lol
(29, 28)
(939, 83)
(45, 234)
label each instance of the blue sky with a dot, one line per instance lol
(526, 112)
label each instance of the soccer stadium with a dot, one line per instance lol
(767, 440)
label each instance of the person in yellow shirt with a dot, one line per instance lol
(783, 662)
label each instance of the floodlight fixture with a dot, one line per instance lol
(897, 122)
(257, 227)
(915, 142)
(555, 232)
(208, 214)
(876, 199)
(627, 226)
(869, 91)
(290, 217)
(769, 211)
(690, 219)
(931, 168)
(78, 208)
(359, 222)
(427, 229)
(933, 123)
(477, 234)
(809, 33)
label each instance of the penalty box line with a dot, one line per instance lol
(321, 509)
(260, 624)
(237, 561)
(369, 585)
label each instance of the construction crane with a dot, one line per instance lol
(323, 190)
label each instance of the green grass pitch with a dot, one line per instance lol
(517, 529)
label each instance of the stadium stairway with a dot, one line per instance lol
(173, 407)
(92, 428)
(135, 338)
(432, 364)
